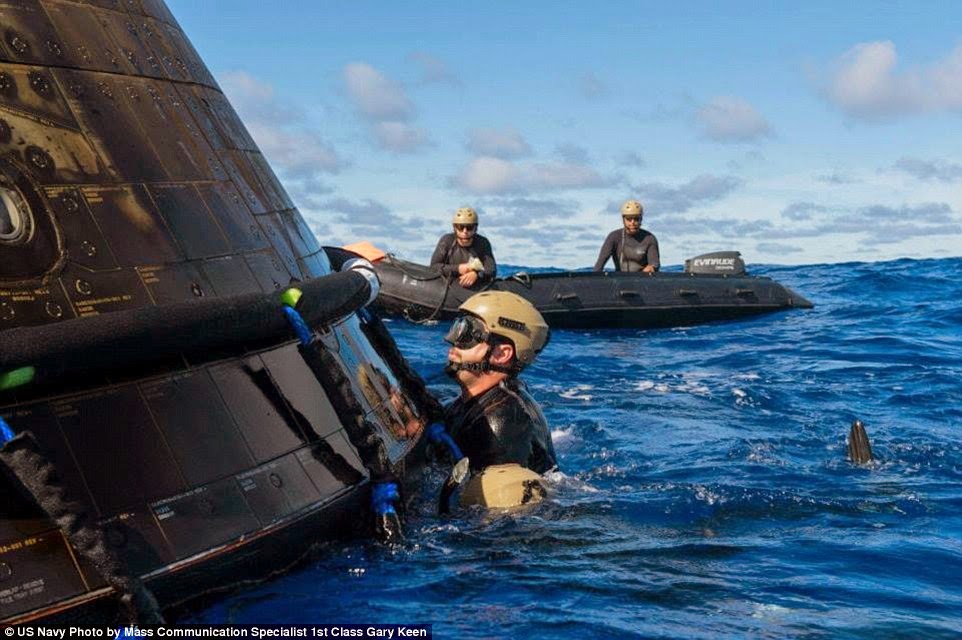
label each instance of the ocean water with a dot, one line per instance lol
(704, 490)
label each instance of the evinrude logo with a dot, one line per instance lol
(718, 263)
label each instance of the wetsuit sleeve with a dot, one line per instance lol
(654, 258)
(487, 259)
(607, 251)
(439, 255)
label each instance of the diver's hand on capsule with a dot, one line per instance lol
(649, 269)
(387, 522)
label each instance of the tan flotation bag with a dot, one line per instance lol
(366, 250)
(502, 486)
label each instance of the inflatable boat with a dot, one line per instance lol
(712, 288)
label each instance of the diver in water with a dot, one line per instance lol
(495, 422)
(465, 254)
(630, 248)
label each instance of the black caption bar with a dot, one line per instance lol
(260, 631)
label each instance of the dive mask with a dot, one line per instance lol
(466, 332)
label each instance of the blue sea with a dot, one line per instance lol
(705, 491)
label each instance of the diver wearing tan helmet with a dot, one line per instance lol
(630, 248)
(495, 422)
(464, 254)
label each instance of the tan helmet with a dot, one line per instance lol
(465, 215)
(510, 316)
(632, 208)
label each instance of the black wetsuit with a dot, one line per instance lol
(501, 426)
(629, 252)
(449, 254)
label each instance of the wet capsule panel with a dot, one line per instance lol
(257, 406)
(270, 185)
(158, 10)
(202, 113)
(134, 229)
(31, 306)
(269, 271)
(205, 517)
(98, 103)
(127, 33)
(29, 37)
(93, 293)
(138, 468)
(146, 101)
(277, 489)
(232, 130)
(249, 191)
(155, 36)
(188, 218)
(233, 216)
(82, 239)
(302, 391)
(82, 36)
(33, 91)
(198, 70)
(279, 240)
(174, 283)
(136, 537)
(178, 405)
(334, 467)
(41, 570)
(230, 276)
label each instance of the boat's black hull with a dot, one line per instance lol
(585, 300)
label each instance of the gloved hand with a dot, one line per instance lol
(387, 522)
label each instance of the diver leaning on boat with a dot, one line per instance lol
(465, 254)
(630, 248)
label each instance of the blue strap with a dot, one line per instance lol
(300, 327)
(6, 433)
(383, 496)
(437, 435)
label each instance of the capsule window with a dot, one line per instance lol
(16, 225)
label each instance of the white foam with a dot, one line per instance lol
(563, 436)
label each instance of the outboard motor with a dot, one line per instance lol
(720, 263)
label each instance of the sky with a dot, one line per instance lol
(794, 132)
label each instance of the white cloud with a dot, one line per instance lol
(504, 144)
(293, 147)
(433, 69)
(865, 84)
(700, 190)
(487, 175)
(399, 136)
(300, 153)
(572, 153)
(930, 169)
(376, 96)
(731, 119)
(383, 103)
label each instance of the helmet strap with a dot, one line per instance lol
(483, 366)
